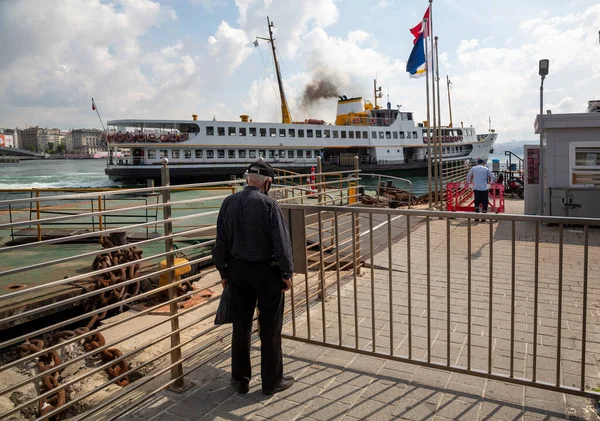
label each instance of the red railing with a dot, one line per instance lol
(459, 198)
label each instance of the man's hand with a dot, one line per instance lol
(288, 284)
(223, 283)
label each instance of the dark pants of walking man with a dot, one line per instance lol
(249, 282)
(481, 198)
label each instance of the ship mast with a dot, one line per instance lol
(377, 94)
(286, 117)
(449, 102)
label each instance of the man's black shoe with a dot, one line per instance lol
(241, 388)
(283, 384)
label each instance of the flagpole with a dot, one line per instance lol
(428, 121)
(434, 137)
(98, 112)
(437, 71)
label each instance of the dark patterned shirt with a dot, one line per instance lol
(251, 227)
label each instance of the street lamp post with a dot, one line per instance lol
(543, 71)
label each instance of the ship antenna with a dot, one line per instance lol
(286, 116)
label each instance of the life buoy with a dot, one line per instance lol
(460, 138)
(120, 138)
(386, 121)
(152, 137)
(184, 136)
(356, 120)
(161, 138)
(373, 121)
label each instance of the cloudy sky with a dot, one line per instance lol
(159, 59)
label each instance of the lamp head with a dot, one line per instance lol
(544, 66)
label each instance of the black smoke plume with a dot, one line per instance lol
(319, 89)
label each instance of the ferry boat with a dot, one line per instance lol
(384, 139)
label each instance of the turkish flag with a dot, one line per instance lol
(421, 28)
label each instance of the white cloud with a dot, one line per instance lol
(466, 45)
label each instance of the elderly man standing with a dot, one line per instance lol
(479, 176)
(253, 254)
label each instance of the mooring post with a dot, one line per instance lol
(177, 369)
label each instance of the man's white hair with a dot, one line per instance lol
(257, 178)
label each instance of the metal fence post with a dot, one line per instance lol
(37, 212)
(177, 369)
(320, 179)
(357, 217)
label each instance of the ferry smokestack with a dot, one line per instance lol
(244, 118)
(195, 117)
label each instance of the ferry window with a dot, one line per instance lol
(198, 153)
(317, 153)
(408, 136)
(327, 134)
(263, 132)
(242, 131)
(374, 135)
(187, 154)
(309, 154)
(252, 131)
(252, 154)
(343, 132)
(272, 132)
(271, 153)
(351, 135)
(292, 132)
(210, 131)
(309, 133)
(388, 135)
(415, 135)
(281, 132)
(300, 133)
(175, 153)
(381, 135)
(231, 153)
(151, 154)
(401, 135)
(210, 154)
(220, 153)
(318, 133)
(281, 153)
(242, 153)
(164, 153)
(290, 153)
(261, 153)
(358, 135)
(231, 131)
(459, 132)
(365, 134)
(299, 153)
(335, 134)
(409, 116)
(395, 135)
(221, 131)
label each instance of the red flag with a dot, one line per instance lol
(93, 105)
(421, 28)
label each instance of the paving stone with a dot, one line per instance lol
(325, 410)
(505, 392)
(366, 409)
(284, 410)
(166, 416)
(189, 407)
(236, 408)
(412, 409)
(457, 407)
(341, 392)
(383, 392)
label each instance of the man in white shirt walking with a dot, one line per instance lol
(479, 176)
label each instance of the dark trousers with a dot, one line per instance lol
(481, 198)
(249, 283)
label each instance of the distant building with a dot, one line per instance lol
(38, 139)
(88, 141)
(68, 142)
(8, 138)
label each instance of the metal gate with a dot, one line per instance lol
(512, 298)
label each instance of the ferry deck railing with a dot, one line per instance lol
(512, 298)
